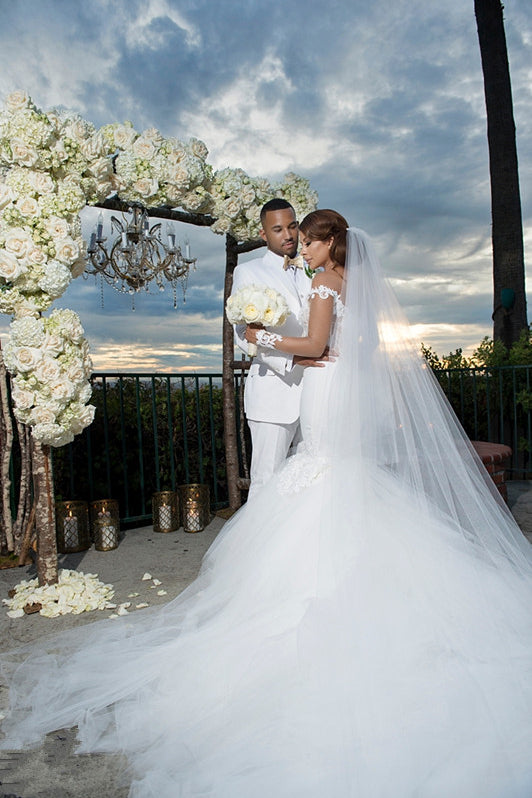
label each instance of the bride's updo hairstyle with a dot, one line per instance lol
(321, 225)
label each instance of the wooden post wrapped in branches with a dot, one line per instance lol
(15, 534)
(44, 514)
(7, 541)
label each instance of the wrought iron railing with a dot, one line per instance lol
(151, 432)
(154, 432)
(495, 404)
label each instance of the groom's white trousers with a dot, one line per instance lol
(270, 444)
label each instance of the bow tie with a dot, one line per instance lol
(296, 263)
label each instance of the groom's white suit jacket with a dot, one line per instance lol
(273, 385)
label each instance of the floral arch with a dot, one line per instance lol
(54, 163)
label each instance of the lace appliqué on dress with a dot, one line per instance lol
(300, 471)
(323, 292)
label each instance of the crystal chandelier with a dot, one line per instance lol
(138, 255)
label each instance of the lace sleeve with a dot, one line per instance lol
(323, 292)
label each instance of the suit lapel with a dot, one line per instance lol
(283, 280)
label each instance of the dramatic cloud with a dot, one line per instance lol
(380, 105)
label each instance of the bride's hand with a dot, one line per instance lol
(251, 332)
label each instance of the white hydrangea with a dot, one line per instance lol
(27, 331)
(56, 279)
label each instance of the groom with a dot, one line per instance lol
(273, 385)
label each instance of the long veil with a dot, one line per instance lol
(366, 635)
(391, 413)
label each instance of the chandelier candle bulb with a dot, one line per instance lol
(99, 228)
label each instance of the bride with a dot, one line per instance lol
(360, 629)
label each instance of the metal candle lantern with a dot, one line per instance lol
(105, 524)
(72, 526)
(165, 511)
(195, 507)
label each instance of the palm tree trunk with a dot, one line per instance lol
(509, 302)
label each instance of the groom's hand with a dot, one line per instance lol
(313, 362)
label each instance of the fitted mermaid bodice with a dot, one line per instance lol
(312, 458)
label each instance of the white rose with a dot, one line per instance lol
(18, 242)
(94, 147)
(153, 135)
(231, 207)
(66, 250)
(85, 393)
(22, 154)
(41, 182)
(146, 186)
(52, 344)
(36, 256)
(29, 207)
(77, 129)
(26, 358)
(101, 169)
(124, 136)
(62, 389)
(83, 418)
(10, 267)
(176, 157)
(23, 399)
(42, 414)
(76, 372)
(48, 369)
(247, 195)
(57, 227)
(179, 176)
(7, 195)
(144, 148)
(221, 226)
(198, 148)
(16, 101)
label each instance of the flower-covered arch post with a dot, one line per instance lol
(52, 164)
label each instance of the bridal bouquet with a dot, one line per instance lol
(257, 304)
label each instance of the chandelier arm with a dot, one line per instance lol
(139, 255)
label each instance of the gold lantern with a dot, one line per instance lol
(195, 507)
(165, 511)
(72, 526)
(105, 524)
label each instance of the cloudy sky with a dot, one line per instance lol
(380, 105)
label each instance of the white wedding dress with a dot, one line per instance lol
(350, 635)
